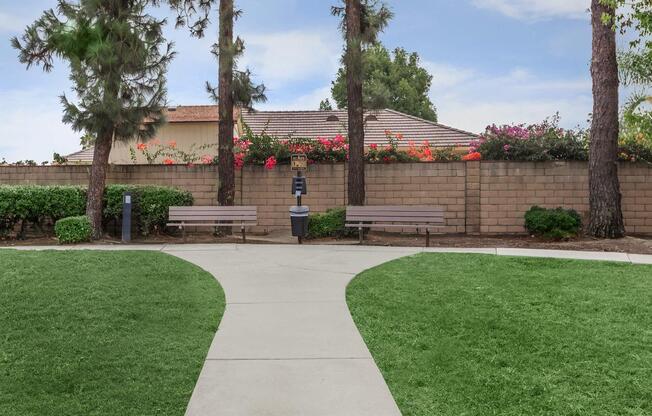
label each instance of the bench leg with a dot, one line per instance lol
(360, 235)
(427, 237)
(183, 232)
(244, 234)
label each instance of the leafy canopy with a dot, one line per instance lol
(391, 80)
(117, 58)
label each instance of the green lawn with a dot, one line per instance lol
(102, 333)
(485, 335)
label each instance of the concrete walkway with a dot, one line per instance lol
(287, 345)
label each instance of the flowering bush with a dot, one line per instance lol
(536, 142)
(154, 151)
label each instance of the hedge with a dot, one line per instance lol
(150, 207)
(41, 205)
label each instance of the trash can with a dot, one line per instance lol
(299, 219)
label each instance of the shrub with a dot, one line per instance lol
(150, 204)
(73, 230)
(557, 223)
(329, 224)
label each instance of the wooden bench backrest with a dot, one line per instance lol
(396, 214)
(189, 214)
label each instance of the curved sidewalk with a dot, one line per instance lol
(287, 345)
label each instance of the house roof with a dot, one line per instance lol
(82, 156)
(313, 124)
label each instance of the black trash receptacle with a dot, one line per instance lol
(299, 220)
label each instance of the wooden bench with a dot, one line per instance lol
(234, 216)
(384, 216)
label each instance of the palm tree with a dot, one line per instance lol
(362, 21)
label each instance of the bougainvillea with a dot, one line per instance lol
(535, 142)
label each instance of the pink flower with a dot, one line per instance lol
(207, 159)
(172, 144)
(168, 162)
(506, 148)
(238, 160)
(270, 163)
(373, 146)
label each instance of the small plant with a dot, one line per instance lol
(329, 224)
(556, 224)
(73, 230)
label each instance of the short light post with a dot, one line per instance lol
(126, 217)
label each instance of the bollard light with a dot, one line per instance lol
(126, 217)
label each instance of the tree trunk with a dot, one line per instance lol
(606, 217)
(226, 165)
(97, 181)
(354, 76)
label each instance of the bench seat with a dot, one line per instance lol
(213, 216)
(395, 216)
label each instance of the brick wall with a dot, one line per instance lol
(479, 197)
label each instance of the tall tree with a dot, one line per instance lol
(362, 21)
(606, 217)
(117, 58)
(391, 80)
(226, 161)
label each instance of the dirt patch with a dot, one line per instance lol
(637, 245)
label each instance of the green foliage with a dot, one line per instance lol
(329, 224)
(150, 204)
(73, 230)
(325, 105)
(557, 223)
(395, 81)
(39, 204)
(117, 57)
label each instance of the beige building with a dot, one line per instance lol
(192, 130)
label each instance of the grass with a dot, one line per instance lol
(486, 335)
(102, 333)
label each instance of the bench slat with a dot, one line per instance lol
(215, 208)
(380, 225)
(212, 218)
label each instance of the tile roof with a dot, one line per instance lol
(312, 124)
(82, 156)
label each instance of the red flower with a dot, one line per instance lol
(239, 160)
(270, 163)
(172, 144)
(168, 162)
(472, 156)
(141, 146)
(373, 146)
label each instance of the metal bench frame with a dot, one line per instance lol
(213, 216)
(392, 216)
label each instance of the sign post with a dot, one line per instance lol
(299, 214)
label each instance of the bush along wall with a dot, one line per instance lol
(555, 224)
(42, 206)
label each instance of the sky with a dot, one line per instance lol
(492, 61)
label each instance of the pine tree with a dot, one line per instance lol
(361, 23)
(117, 58)
(606, 217)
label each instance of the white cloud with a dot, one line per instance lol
(32, 127)
(471, 100)
(537, 9)
(284, 57)
(308, 101)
